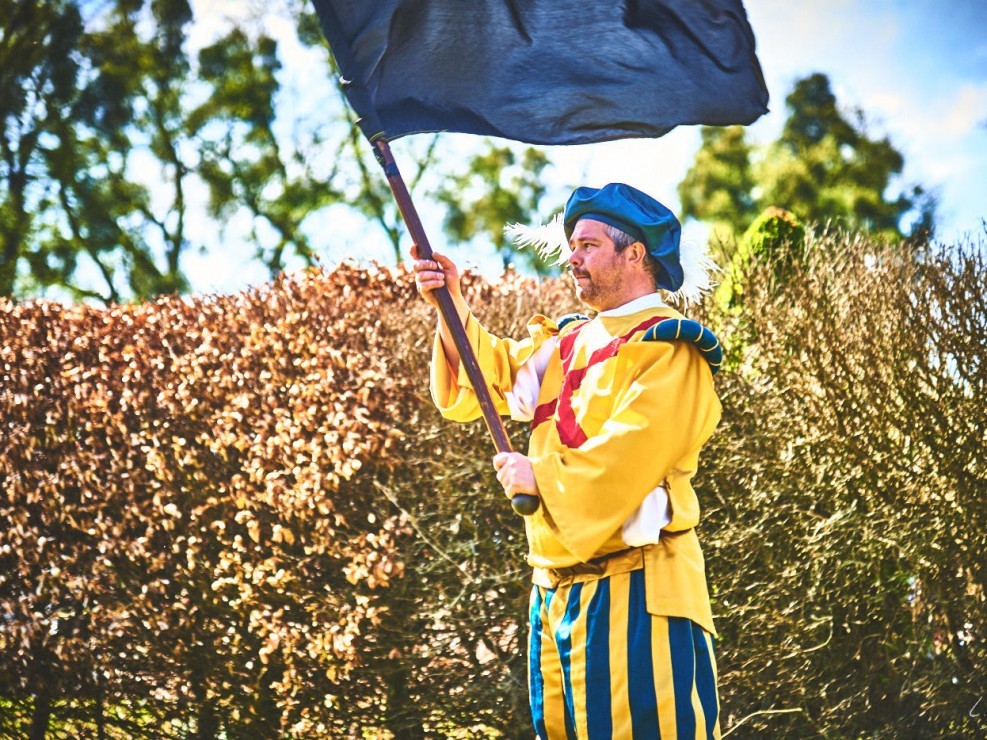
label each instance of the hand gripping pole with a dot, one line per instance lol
(523, 504)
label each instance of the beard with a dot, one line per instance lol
(584, 287)
(594, 292)
(599, 281)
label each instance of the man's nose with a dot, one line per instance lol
(575, 258)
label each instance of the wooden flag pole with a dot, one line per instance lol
(523, 504)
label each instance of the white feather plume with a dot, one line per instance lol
(549, 240)
(697, 269)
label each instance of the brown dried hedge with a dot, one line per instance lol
(210, 509)
(240, 515)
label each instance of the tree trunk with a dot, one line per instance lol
(42, 713)
(403, 718)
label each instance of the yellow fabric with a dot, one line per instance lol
(585, 636)
(646, 412)
(620, 701)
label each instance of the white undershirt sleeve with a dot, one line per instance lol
(522, 399)
(644, 526)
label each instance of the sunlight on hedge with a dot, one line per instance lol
(241, 514)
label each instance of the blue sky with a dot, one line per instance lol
(916, 68)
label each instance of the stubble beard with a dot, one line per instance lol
(598, 291)
(590, 293)
(585, 290)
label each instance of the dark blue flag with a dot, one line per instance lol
(544, 71)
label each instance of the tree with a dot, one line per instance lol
(111, 125)
(38, 76)
(89, 102)
(241, 159)
(498, 187)
(824, 168)
(719, 187)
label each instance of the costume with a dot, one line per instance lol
(617, 426)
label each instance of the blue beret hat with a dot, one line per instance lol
(634, 213)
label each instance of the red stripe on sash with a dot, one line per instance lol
(545, 411)
(570, 433)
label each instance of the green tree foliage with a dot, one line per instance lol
(241, 159)
(90, 106)
(825, 168)
(112, 128)
(37, 87)
(499, 186)
(776, 237)
(719, 187)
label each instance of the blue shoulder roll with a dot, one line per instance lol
(569, 318)
(686, 330)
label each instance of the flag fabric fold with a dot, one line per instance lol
(544, 71)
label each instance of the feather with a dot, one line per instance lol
(549, 240)
(697, 267)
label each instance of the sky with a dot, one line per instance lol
(917, 69)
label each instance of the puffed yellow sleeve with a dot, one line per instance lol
(499, 360)
(664, 410)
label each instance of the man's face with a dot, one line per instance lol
(596, 266)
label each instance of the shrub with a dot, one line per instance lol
(241, 515)
(846, 512)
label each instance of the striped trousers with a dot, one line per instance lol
(600, 666)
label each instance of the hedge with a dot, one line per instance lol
(240, 516)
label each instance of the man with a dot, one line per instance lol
(621, 628)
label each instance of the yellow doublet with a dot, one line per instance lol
(616, 418)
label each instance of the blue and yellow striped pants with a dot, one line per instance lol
(601, 666)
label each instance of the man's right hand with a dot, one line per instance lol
(434, 273)
(430, 275)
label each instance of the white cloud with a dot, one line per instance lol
(967, 112)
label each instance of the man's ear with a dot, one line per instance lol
(637, 253)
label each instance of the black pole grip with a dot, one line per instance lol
(525, 504)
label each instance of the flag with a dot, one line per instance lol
(544, 71)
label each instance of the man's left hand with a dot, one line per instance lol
(515, 473)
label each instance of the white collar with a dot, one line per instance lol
(651, 300)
